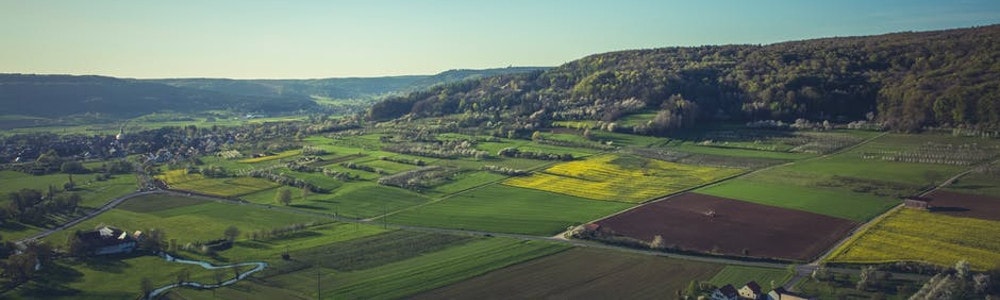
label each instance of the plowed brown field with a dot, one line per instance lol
(965, 205)
(696, 222)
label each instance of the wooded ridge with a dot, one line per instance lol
(905, 80)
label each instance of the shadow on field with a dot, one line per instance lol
(948, 209)
(105, 265)
(13, 226)
(52, 283)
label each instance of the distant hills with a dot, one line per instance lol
(54, 96)
(906, 80)
(338, 88)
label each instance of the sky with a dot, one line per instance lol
(246, 39)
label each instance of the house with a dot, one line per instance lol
(917, 203)
(727, 292)
(781, 294)
(106, 240)
(751, 291)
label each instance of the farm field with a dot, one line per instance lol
(280, 155)
(392, 280)
(582, 273)
(189, 221)
(740, 275)
(356, 200)
(94, 193)
(222, 187)
(839, 203)
(965, 205)
(913, 235)
(908, 159)
(703, 223)
(110, 278)
(621, 178)
(693, 147)
(506, 209)
(979, 183)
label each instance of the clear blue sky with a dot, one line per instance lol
(332, 38)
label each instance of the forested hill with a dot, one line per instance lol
(907, 80)
(63, 95)
(338, 88)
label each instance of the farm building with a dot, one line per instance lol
(727, 292)
(782, 294)
(751, 291)
(107, 240)
(917, 202)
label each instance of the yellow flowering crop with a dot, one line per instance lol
(912, 235)
(600, 179)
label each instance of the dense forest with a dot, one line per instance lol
(907, 81)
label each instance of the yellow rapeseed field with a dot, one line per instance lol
(600, 178)
(912, 235)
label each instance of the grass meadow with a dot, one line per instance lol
(189, 221)
(506, 209)
(388, 281)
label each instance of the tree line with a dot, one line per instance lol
(906, 81)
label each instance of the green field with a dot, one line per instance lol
(93, 193)
(355, 200)
(582, 273)
(692, 147)
(740, 275)
(500, 208)
(190, 221)
(831, 202)
(107, 278)
(921, 173)
(393, 280)
(978, 183)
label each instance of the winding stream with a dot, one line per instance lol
(257, 267)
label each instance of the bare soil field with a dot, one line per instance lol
(965, 205)
(696, 222)
(582, 273)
